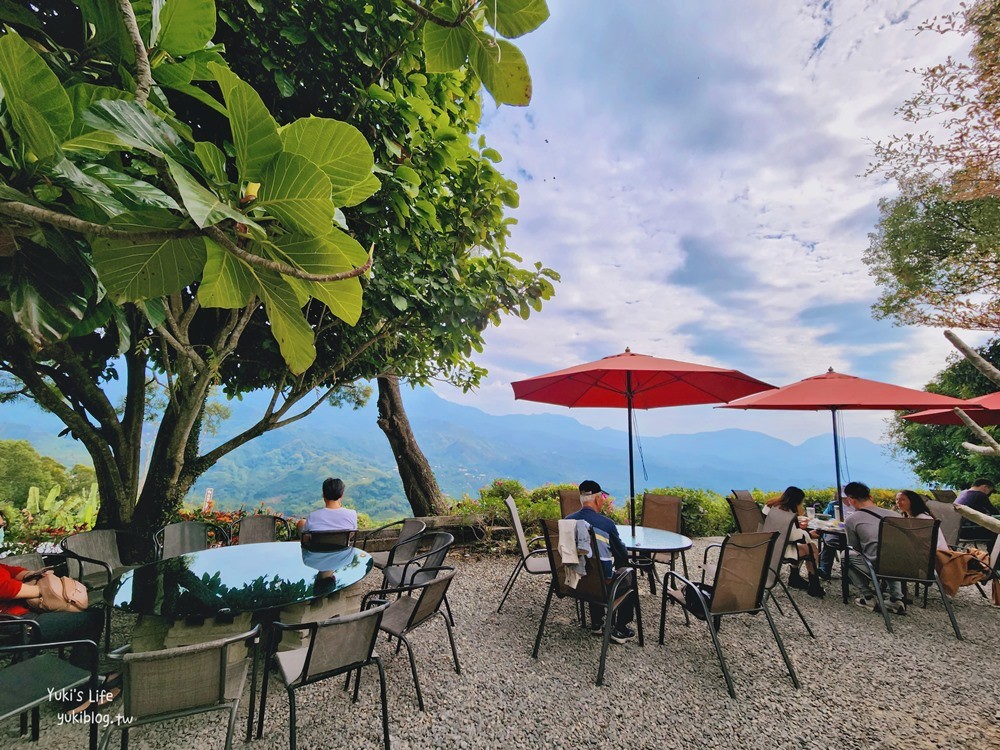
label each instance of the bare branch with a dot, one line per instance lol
(982, 450)
(975, 358)
(186, 351)
(283, 268)
(144, 76)
(41, 215)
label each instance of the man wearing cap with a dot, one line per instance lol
(862, 536)
(593, 499)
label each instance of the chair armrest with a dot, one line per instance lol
(704, 558)
(673, 575)
(369, 601)
(89, 647)
(534, 539)
(13, 621)
(411, 587)
(84, 559)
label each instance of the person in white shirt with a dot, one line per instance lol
(333, 516)
(911, 505)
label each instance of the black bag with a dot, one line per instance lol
(691, 602)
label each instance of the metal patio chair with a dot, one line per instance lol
(906, 552)
(327, 540)
(26, 682)
(663, 512)
(569, 502)
(260, 528)
(739, 587)
(179, 538)
(334, 647)
(534, 561)
(96, 563)
(417, 605)
(404, 547)
(747, 513)
(781, 521)
(182, 681)
(592, 588)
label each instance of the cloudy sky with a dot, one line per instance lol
(694, 172)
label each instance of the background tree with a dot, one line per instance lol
(212, 233)
(935, 451)
(22, 467)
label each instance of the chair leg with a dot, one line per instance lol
(385, 701)
(638, 610)
(124, 745)
(34, 724)
(541, 623)
(451, 639)
(447, 608)
(684, 565)
(881, 604)
(604, 646)
(291, 719)
(948, 608)
(413, 668)
(795, 606)
(510, 583)
(781, 646)
(722, 659)
(357, 683)
(232, 725)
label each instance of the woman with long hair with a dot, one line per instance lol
(801, 547)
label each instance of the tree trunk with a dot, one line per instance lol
(419, 484)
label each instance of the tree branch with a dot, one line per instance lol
(421, 11)
(994, 446)
(180, 348)
(144, 75)
(18, 210)
(975, 358)
(272, 265)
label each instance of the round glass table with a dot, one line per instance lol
(649, 539)
(237, 579)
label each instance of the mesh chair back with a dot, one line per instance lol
(951, 521)
(29, 560)
(591, 587)
(434, 548)
(746, 512)
(259, 529)
(661, 512)
(183, 537)
(906, 548)
(98, 545)
(328, 540)
(183, 678)
(779, 521)
(432, 594)
(338, 643)
(944, 496)
(515, 519)
(742, 572)
(408, 543)
(569, 502)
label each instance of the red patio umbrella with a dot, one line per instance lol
(983, 410)
(836, 391)
(636, 381)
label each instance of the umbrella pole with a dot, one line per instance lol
(631, 468)
(836, 462)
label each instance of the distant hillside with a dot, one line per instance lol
(469, 448)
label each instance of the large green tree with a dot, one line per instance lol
(164, 220)
(936, 451)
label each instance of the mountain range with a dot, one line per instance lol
(468, 448)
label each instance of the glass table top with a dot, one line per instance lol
(237, 579)
(652, 540)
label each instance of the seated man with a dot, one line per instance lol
(333, 516)
(592, 500)
(862, 537)
(977, 497)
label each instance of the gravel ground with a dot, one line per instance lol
(861, 686)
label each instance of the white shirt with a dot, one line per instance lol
(332, 519)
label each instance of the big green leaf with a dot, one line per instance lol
(82, 95)
(297, 192)
(255, 134)
(133, 271)
(227, 282)
(358, 193)
(178, 76)
(185, 26)
(502, 69)
(66, 174)
(335, 253)
(140, 128)
(205, 207)
(514, 18)
(335, 147)
(446, 48)
(37, 103)
(289, 326)
(132, 190)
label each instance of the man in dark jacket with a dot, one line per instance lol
(613, 555)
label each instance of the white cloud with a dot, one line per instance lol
(692, 170)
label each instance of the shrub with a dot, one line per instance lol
(704, 512)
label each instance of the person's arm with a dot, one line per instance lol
(11, 586)
(618, 551)
(301, 525)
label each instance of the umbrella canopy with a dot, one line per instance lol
(836, 391)
(983, 410)
(637, 381)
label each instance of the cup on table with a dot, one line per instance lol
(810, 513)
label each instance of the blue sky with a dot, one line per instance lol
(694, 172)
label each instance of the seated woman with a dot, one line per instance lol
(911, 505)
(801, 546)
